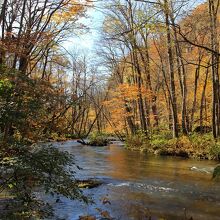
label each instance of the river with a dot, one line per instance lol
(137, 186)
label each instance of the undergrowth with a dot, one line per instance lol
(199, 146)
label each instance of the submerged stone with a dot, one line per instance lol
(89, 184)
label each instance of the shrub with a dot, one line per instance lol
(23, 168)
(199, 146)
(201, 140)
(138, 141)
(98, 139)
(162, 133)
(214, 151)
(158, 142)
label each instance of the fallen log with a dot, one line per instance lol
(83, 142)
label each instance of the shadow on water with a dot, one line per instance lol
(138, 186)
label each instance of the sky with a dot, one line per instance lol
(86, 42)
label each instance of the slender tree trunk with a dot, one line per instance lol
(130, 119)
(213, 11)
(147, 111)
(146, 63)
(2, 24)
(196, 78)
(137, 70)
(171, 71)
(182, 76)
(202, 106)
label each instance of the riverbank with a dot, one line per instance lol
(195, 146)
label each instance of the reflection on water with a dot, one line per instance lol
(139, 186)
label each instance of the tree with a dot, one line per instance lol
(213, 12)
(34, 100)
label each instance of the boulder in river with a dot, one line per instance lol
(89, 184)
(216, 172)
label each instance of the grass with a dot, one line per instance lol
(192, 146)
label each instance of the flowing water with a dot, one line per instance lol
(137, 186)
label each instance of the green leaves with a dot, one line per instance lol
(27, 169)
(5, 87)
(8, 161)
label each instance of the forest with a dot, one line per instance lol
(151, 82)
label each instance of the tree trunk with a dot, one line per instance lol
(195, 95)
(213, 11)
(137, 70)
(202, 106)
(171, 71)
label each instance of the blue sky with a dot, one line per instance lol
(86, 42)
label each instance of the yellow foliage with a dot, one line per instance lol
(71, 9)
